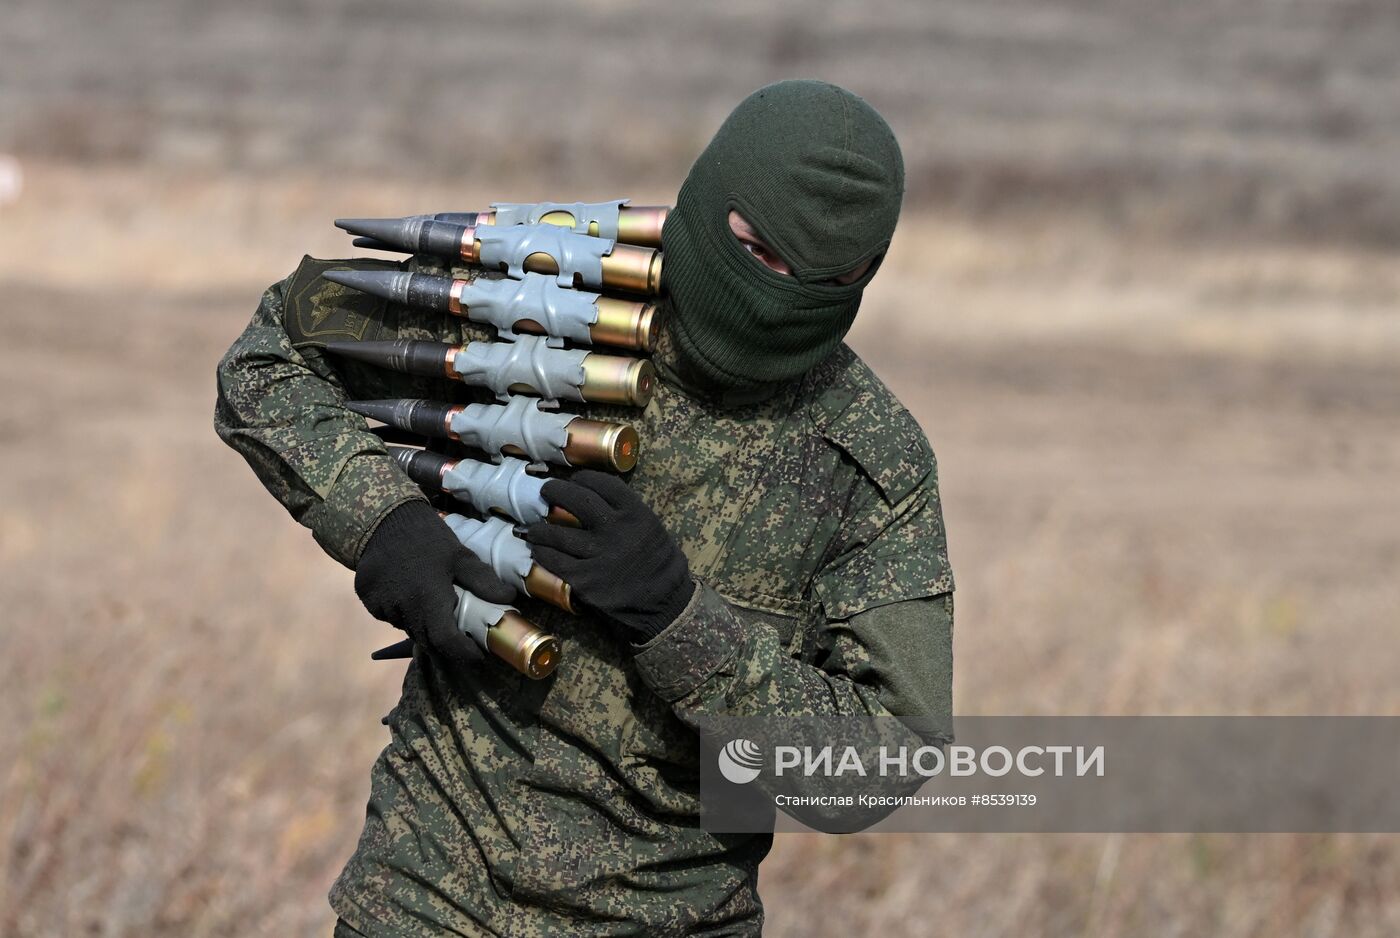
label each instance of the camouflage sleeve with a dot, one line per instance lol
(716, 663)
(282, 411)
(884, 647)
(895, 660)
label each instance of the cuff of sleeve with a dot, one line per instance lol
(693, 648)
(367, 489)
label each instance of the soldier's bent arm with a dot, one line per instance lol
(884, 648)
(281, 408)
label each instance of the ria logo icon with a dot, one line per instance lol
(740, 761)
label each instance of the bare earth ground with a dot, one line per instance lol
(1169, 478)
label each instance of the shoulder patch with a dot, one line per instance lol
(317, 311)
(856, 412)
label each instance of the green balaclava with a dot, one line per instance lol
(818, 174)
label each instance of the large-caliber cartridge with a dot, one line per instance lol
(517, 428)
(494, 541)
(504, 488)
(499, 629)
(531, 364)
(534, 304)
(508, 635)
(630, 224)
(546, 249)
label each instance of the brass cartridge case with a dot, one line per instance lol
(545, 586)
(523, 646)
(632, 268)
(642, 224)
(629, 324)
(636, 224)
(595, 443)
(615, 379)
(591, 442)
(625, 323)
(626, 267)
(600, 442)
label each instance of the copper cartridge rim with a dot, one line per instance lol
(448, 417)
(468, 248)
(454, 297)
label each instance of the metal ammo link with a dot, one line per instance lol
(494, 542)
(519, 422)
(574, 254)
(530, 361)
(562, 311)
(590, 218)
(475, 616)
(503, 487)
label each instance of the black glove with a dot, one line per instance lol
(405, 578)
(621, 562)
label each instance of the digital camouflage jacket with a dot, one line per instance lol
(501, 805)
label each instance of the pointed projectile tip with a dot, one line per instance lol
(355, 224)
(428, 418)
(399, 232)
(390, 285)
(383, 411)
(401, 649)
(361, 351)
(373, 245)
(398, 437)
(416, 234)
(410, 356)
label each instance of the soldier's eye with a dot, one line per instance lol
(766, 257)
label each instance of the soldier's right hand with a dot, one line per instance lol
(405, 577)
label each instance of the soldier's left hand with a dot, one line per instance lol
(621, 562)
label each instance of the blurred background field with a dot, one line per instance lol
(1145, 301)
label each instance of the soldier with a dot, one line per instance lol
(779, 550)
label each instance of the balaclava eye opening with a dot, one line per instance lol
(818, 174)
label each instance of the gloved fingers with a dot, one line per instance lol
(558, 563)
(611, 488)
(453, 646)
(474, 576)
(575, 542)
(590, 508)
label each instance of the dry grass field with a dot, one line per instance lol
(1144, 301)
